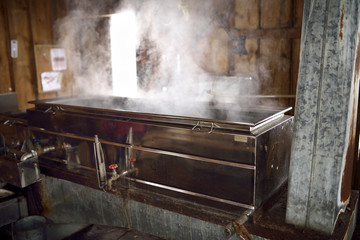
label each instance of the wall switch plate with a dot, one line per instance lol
(14, 49)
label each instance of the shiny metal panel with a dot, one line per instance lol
(235, 147)
(14, 144)
(189, 176)
(224, 116)
(272, 159)
(222, 163)
(192, 176)
(19, 173)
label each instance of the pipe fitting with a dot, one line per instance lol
(28, 155)
(115, 176)
(229, 229)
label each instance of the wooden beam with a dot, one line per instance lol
(23, 66)
(41, 22)
(6, 85)
(289, 33)
(59, 9)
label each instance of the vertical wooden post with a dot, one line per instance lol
(23, 67)
(6, 85)
(41, 28)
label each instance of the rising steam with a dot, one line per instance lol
(177, 49)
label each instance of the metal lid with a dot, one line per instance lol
(226, 116)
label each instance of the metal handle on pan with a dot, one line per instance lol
(54, 109)
(199, 125)
(14, 122)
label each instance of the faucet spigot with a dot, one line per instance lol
(113, 167)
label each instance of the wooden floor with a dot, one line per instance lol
(106, 233)
(270, 225)
(96, 232)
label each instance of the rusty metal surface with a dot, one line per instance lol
(353, 138)
(356, 164)
(271, 224)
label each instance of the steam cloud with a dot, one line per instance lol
(174, 52)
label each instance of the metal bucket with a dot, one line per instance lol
(31, 227)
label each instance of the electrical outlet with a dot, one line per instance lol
(14, 49)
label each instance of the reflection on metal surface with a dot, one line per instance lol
(193, 193)
(228, 161)
(5, 193)
(99, 163)
(225, 116)
(26, 156)
(175, 154)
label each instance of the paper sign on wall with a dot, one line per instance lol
(51, 81)
(58, 59)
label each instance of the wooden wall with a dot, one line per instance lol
(272, 29)
(29, 22)
(6, 85)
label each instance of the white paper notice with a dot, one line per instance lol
(51, 81)
(58, 59)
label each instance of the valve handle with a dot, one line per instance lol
(113, 166)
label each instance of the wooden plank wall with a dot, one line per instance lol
(6, 85)
(29, 22)
(41, 30)
(23, 66)
(272, 29)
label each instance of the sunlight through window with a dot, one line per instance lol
(123, 54)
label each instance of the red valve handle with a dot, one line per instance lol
(113, 166)
(132, 159)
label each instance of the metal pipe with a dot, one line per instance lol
(28, 155)
(115, 176)
(229, 229)
(129, 151)
(34, 153)
(47, 149)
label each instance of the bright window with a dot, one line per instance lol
(123, 54)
